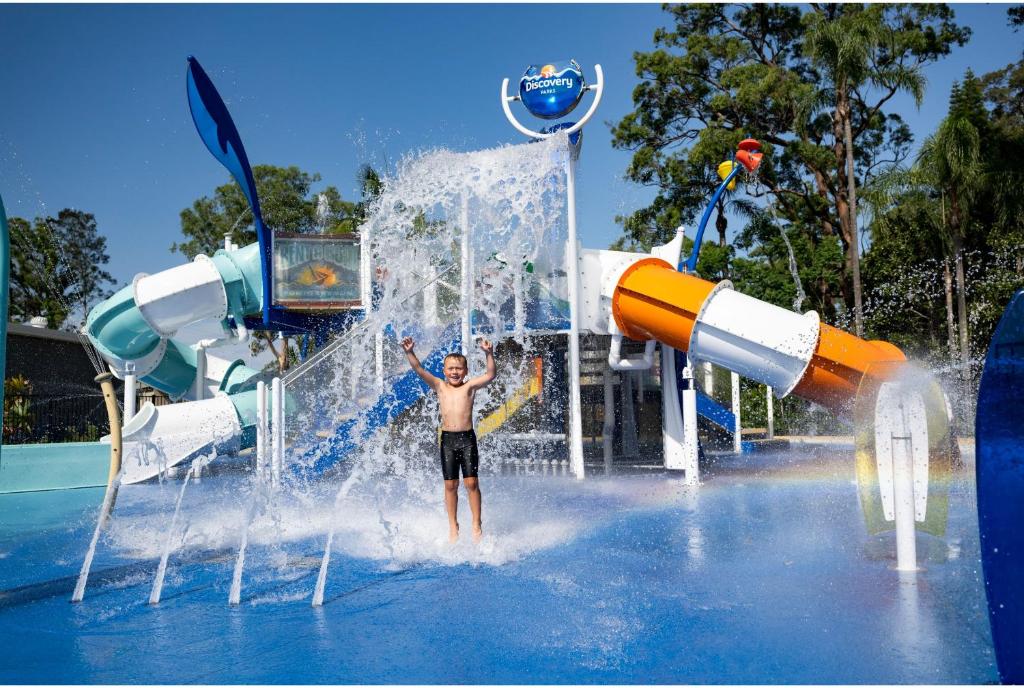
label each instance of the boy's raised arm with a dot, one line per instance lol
(414, 363)
(485, 379)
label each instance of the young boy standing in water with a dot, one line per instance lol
(458, 441)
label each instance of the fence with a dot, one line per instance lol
(80, 417)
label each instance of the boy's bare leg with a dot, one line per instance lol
(451, 504)
(473, 492)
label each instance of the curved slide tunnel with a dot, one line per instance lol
(792, 353)
(134, 332)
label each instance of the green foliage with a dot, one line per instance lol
(288, 204)
(788, 76)
(17, 407)
(57, 266)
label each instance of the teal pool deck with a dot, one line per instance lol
(763, 574)
(69, 465)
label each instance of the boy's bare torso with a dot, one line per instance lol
(456, 404)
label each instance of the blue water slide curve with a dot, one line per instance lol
(402, 392)
(999, 466)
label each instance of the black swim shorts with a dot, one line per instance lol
(459, 449)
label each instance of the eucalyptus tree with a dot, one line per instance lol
(725, 72)
(57, 267)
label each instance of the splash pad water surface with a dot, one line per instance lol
(765, 574)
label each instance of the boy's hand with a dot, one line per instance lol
(408, 344)
(486, 346)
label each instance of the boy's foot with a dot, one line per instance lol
(478, 534)
(453, 534)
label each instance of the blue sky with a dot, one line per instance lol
(95, 114)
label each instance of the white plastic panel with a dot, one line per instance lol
(599, 274)
(160, 437)
(758, 340)
(900, 415)
(181, 295)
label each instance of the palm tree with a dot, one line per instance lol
(950, 161)
(852, 45)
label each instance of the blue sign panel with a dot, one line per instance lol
(552, 90)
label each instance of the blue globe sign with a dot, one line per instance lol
(552, 90)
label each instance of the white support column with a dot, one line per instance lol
(467, 277)
(573, 271)
(903, 491)
(430, 298)
(691, 446)
(608, 429)
(129, 392)
(277, 427)
(199, 385)
(771, 411)
(709, 378)
(261, 428)
(737, 427)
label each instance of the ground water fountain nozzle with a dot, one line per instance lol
(748, 156)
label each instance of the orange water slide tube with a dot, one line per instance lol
(793, 353)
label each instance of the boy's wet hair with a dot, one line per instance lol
(460, 357)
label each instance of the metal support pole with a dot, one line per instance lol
(709, 378)
(430, 298)
(277, 426)
(573, 272)
(200, 381)
(903, 491)
(608, 429)
(691, 447)
(129, 392)
(771, 411)
(466, 247)
(261, 428)
(630, 445)
(737, 427)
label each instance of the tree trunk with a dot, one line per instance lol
(282, 358)
(947, 278)
(721, 223)
(858, 308)
(961, 307)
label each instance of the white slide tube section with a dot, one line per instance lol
(160, 437)
(758, 340)
(185, 294)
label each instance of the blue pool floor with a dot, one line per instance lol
(763, 574)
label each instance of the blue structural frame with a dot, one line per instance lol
(691, 263)
(999, 466)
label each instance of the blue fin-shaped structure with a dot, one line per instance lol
(999, 466)
(218, 132)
